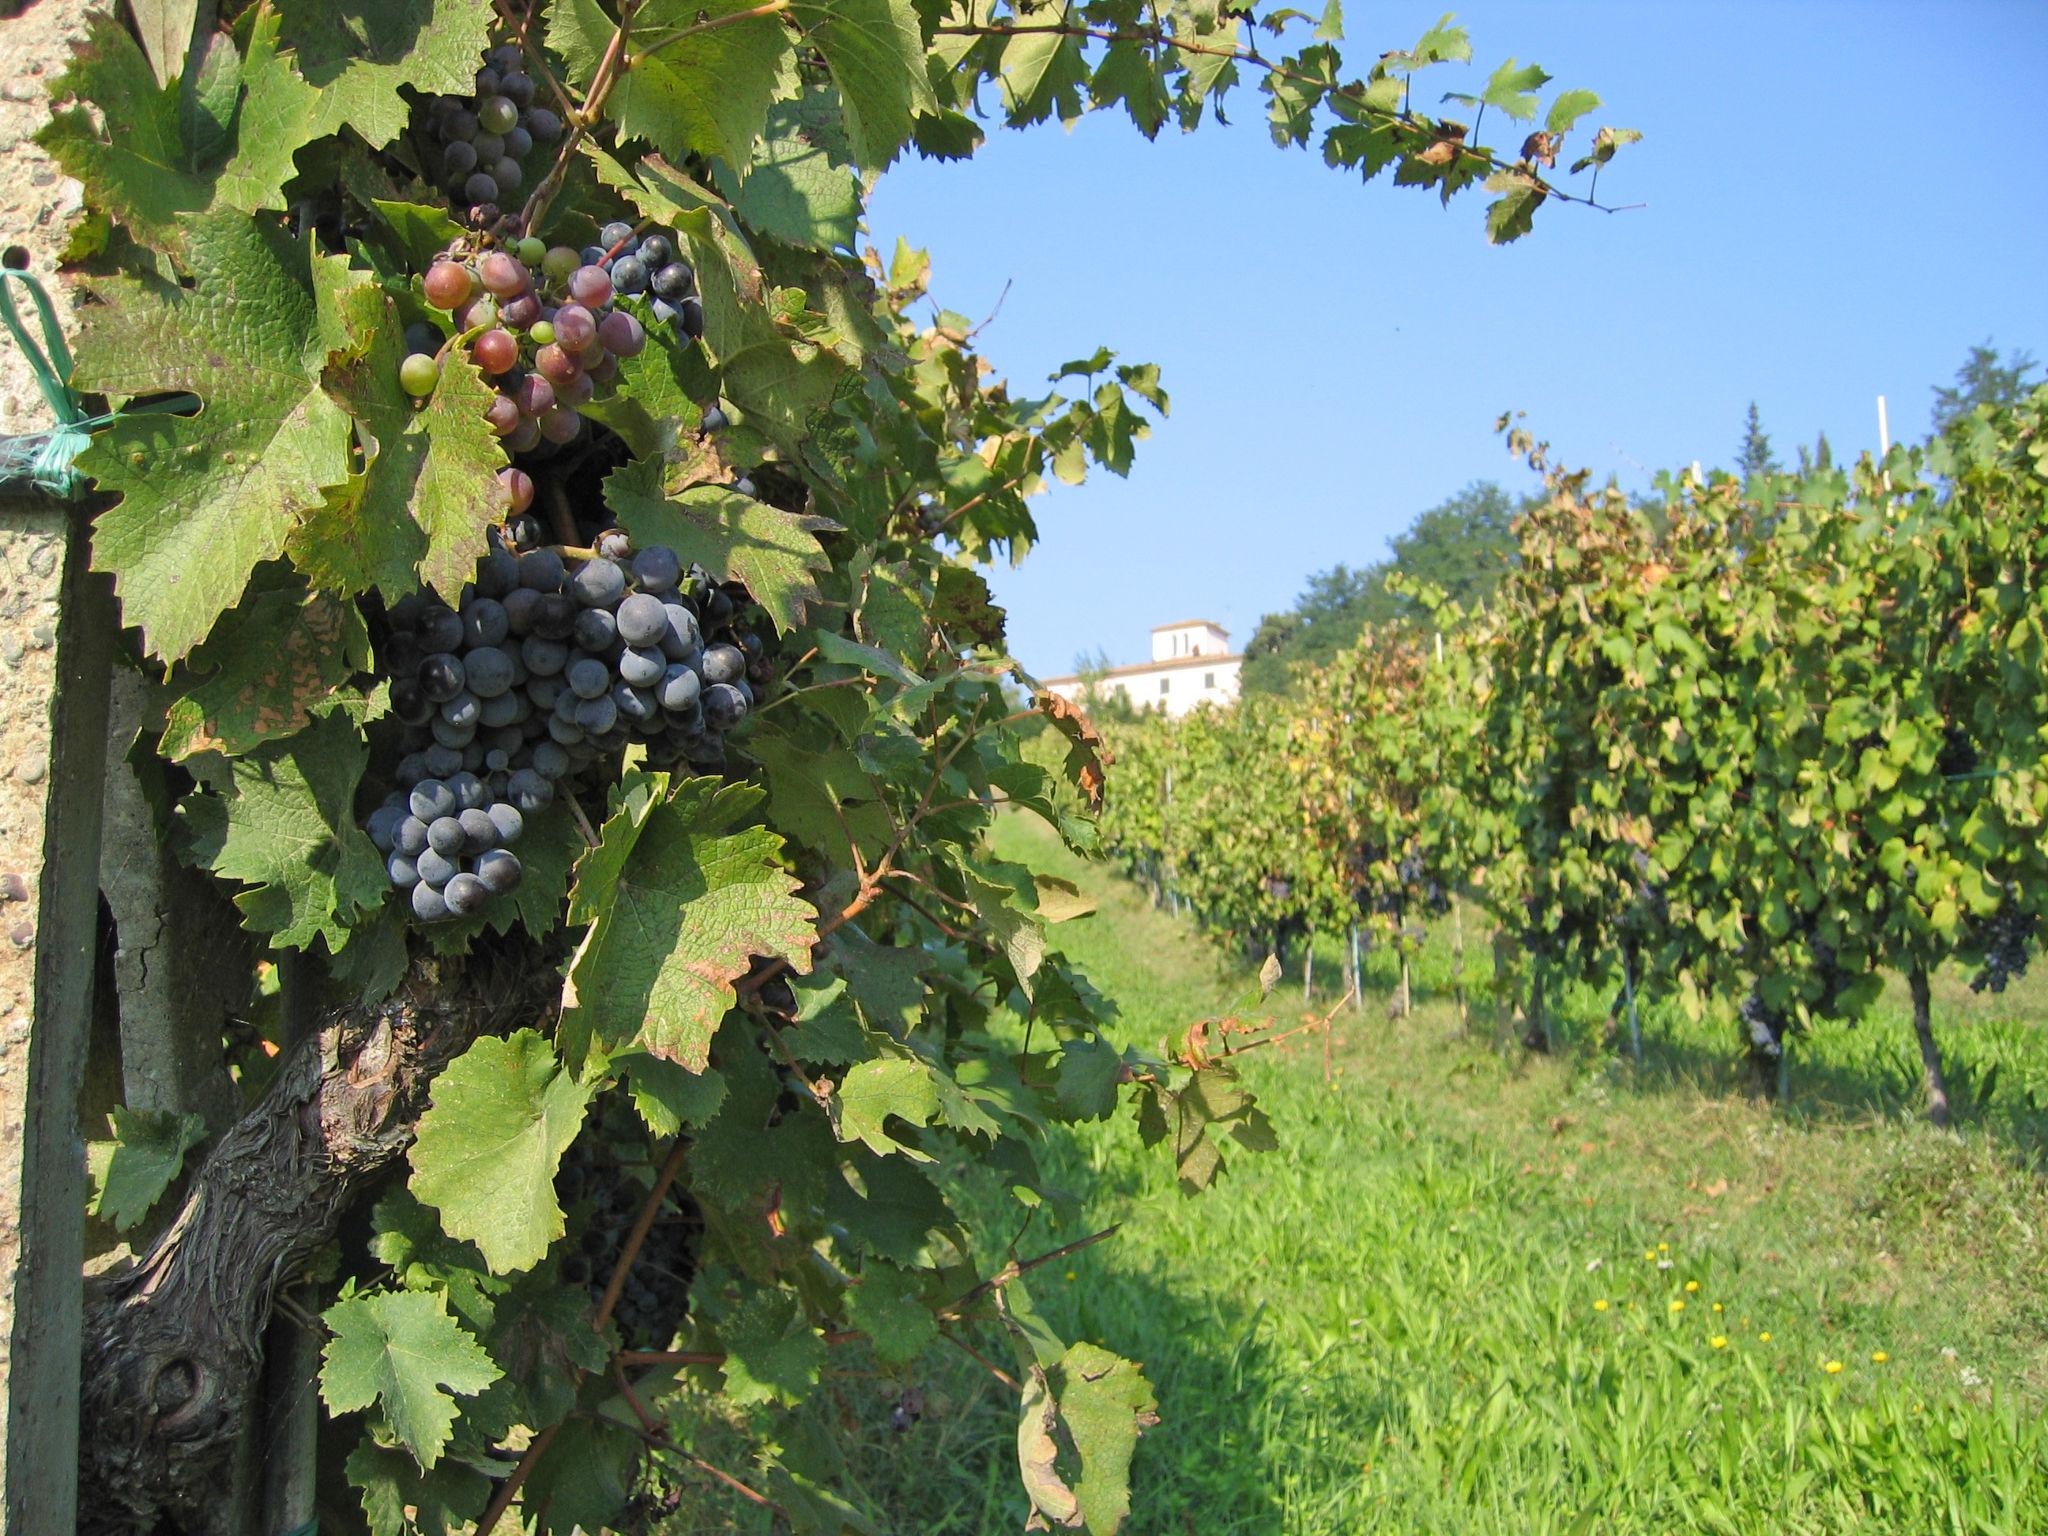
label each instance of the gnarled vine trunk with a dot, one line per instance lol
(173, 1343)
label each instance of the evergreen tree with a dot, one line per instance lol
(1817, 458)
(1982, 380)
(1756, 457)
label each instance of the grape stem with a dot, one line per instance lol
(727, 20)
(580, 121)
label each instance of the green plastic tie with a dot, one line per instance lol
(47, 456)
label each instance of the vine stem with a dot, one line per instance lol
(1159, 37)
(521, 22)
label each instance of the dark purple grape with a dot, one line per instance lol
(479, 832)
(479, 188)
(656, 252)
(488, 669)
(724, 706)
(541, 570)
(589, 678)
(505, 818)
(629, 275)
(441, 677)
(622, 334)
(557, 617)
(656, 569)
(436, 869)
(530, 792)
(643, 619)
(596, 629)
(465, 710)
(596, 716)
(442, 761)
(498, 871)
(575, 327)
(483, 621)
(724, 664)
(466, 895)
(674, 281)
(444, 836)
(440, 628)
(428, 904)
(544, 125)
(469, 791)
(543, 657)
(598, 583)
(641, 666)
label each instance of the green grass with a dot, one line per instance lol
(1395, 1324)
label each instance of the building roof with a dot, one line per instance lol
(1172, 664)
(1191, 624)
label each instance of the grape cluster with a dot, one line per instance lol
(548, 667)
(603, 1199)
(477, 144)
(544, 325)
(1765, 1025)
(2005, 940)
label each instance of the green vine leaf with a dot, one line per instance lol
(734, 537)
(267, 666)
(315, 69)
(680, 896)
(875, 51)
(399, 1351)
(136, 162)
(131, 1170)
(502, 1115)
(772, 1354)
(207, 498)
(428, 491)
(282, 820)
(708, 94)
(888, 1308)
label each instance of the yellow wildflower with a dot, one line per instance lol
(1764, 1337)
(1833, 1367)
(1678, 1306)
(1719, 1341)
(1717, 1306)
(1600, 1305)
(1663, 1247)
(1692, 1285)
(1878, 1357)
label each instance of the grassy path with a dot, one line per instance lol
(1483, 1293)
(1480, 1294)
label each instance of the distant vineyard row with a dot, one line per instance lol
(1749, 745)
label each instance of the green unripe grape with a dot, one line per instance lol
(541, 332)
(497, 115)
(559, 262)
(418, 375)
(532, 251)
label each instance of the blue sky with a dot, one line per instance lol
(1842, 198)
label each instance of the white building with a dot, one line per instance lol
(1191, 664)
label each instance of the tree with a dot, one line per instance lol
(1983, 379)
(539, 324)
(1461, 547)
(1755, 456)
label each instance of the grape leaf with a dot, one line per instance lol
(281, 820)
(679, 897)
(428, 490)
(206, 498)
(794, 192)
(875, 51)
(136, 164)
(875, 1090)
(771, 1353)
(132, 1169)
(400, 1350)
(887, 1308)
(342, 67)
(1105, 1403)
(734, 537)
(401, 1500)
(502, 1115)
(268, 663)
(707, 94)
(668, 1097)
(888, 1204)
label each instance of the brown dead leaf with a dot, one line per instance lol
(1087, 754)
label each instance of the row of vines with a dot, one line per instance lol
(1747, 746)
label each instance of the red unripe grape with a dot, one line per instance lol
(519, 486)
(479, 311)
(560, 425)
(574, 327)
(524, 437)
(503, 415)
(593, 354)
(446, 284)
(604, 372)
(502, 274)
(534, 394)
(577, 391)
(557, 365)
(590, 285)
(622, 334)
(495, 351)
(520, 312)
